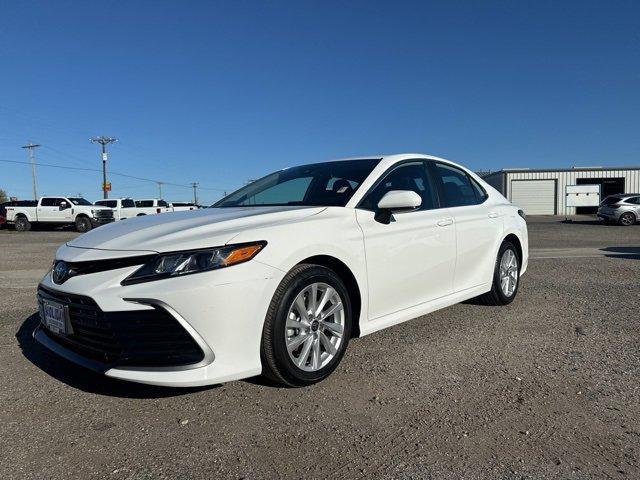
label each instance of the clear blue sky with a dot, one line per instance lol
(219, 92)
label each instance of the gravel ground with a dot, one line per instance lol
(544, 388)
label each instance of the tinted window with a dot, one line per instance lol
(162, 203)
(128, 203)
(79, 201)
(634, 200)
(320, 184)
(51, 202)
(408, 176)
(610, 200)
(456, 186)
(144, 203)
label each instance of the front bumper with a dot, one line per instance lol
(222, 311)
(96, 222)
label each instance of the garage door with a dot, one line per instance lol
(535, 197)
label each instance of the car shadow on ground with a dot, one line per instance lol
(82, 378)
(630, 253)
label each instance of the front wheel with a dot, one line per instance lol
(506, 277)
(307, 327)
(83, 224)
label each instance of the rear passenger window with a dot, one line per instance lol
(407, 176)
(457, 187)
(51, 202)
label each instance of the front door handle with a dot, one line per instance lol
(493, 215)
(445, 222)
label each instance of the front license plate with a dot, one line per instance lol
(54, 317)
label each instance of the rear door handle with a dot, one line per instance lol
(445, 222)
(493, 215)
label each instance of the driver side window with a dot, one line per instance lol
(407, 176)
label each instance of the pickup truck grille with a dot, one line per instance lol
(103, 214)
(139, 338)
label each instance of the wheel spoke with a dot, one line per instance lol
(323, 301)
(304, 354)
(313, 297)
(335, 328)
(504, 283)
(315, 354)
(328, 346)
(302, 308)
(295, 342)
(332, 310)
(292, 323)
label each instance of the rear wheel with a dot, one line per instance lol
(22, 224)
(307, 327)
(83, 224)
(506, 277)
(627, 219)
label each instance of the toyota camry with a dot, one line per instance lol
(277, 277)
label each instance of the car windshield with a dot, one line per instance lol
(321, 184)
(79, 201)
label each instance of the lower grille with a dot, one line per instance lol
(140, 338)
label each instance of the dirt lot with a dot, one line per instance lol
(544, 388)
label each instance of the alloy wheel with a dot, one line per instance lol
(508, 272)
(626, 219)
(315, 326)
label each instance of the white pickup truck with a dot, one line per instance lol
(122, 207)
(151, 206)
(182, 206)
(59, 211)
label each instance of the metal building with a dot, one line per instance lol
(544, 192)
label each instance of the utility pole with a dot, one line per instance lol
(160, 189)
(30, 146)
(195, 193)
(104, 141)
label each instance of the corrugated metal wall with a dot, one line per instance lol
(631, 182)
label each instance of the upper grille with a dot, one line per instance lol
(140, 338)
(103, 213)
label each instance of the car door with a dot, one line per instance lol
(410, 260)
(478, 227)
(49, 209)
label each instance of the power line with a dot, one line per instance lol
(85, 169)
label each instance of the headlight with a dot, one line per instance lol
(194, 261)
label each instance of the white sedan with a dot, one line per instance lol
(277, 277)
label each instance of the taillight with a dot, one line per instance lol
(157, 210)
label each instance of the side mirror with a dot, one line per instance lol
(63, 205)
(396, 201)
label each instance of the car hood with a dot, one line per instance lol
(166, 232)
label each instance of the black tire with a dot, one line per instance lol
(83, 224)
(496, 296)
(276, 363)
(141, 215)
(22, 224)
(627, 219)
